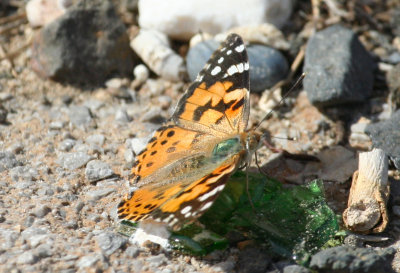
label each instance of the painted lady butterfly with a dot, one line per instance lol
(188, 161)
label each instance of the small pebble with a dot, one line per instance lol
(67, 145)
(122, 116)
(79, 115)
(110, 242)
(72, 161)
(141, 73)
(42, 211)
(27, 257)
(97, 170)
(96, 139)
(88, 261)
(95, 195)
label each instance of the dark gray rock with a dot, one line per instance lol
(86, 45)
(8, 161)
(339, 69)
(97, 170)
(267, 65)
(347, 259)
(110, 242)
(198, 56)
(385, 135)
(3, 114)
(252, 260)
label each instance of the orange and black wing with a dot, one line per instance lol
(219, 97)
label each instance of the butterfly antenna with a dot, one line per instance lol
(282, 99)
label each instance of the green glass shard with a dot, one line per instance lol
(294, 222)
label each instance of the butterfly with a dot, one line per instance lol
(189, 159)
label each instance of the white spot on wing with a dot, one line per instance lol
(186, 209)
(246, 66)
(240, 67)
(211, 193)
(216, 70)
(229, 52)
(239, 48)
(187, 215)
(220, 60)
(223, 49)
(232, 70)
(206, 206)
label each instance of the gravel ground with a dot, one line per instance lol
(66, 152)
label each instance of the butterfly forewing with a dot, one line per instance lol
(218, 98)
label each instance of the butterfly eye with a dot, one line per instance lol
(226, 148)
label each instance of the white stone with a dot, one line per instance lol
(152, 231)
(154, 49)
(42, 12)
(181, 20)
(141, 73)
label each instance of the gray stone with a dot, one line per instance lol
(32, 231)
(296, 269)
(122, 116)
(339, 69)
(43, 251)
(157, 261)
(79, 115)
(129, 156)
(97, 170)
(385, 135)
(110, 242)
(9, 238)
(35, 240)
(88, 261)
(8, 161)
(24, 173)
(96, 139)
(72, 161)
(137, 144)
(132, 251)
(27, 257)
(42, 211)
(95, 195)
(347, 259)
(86, 45)
(56, 125)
